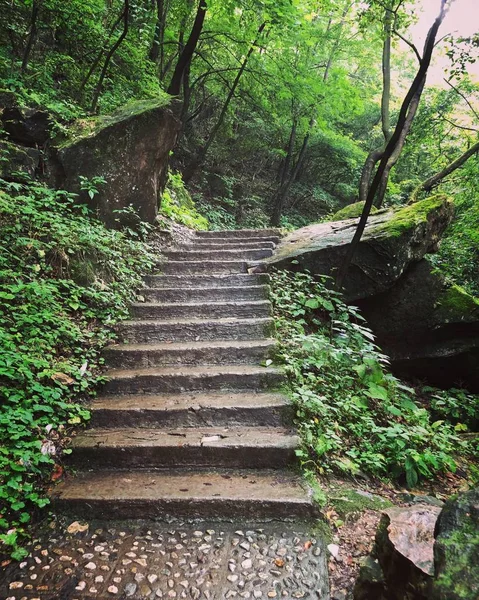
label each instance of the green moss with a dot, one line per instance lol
(83, 128)
(456, 303)
(411, 216)
(347, 501)
(351, 211)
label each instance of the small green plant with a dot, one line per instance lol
(353, 415)
(91, 185)
(64, 279)
(177, 204)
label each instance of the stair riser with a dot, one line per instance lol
(239, 311)
(261, 416)
(239, 233)
(233, 294)
(120, 358)
(218, 255)
(195, 267)
(228, 244)
(151, 457)
(205, 281)
(187, 508)
(172, 384)
(143, 333)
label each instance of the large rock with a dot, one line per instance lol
(29, 126)
(392, 241)
(17, 161)
(429, 329)
(130, 150)
(456, 551)
(404, 551)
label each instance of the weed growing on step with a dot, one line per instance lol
(64, 279)
(354, 416)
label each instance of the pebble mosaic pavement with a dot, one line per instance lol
(210, 562)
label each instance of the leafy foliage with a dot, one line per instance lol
(353, 414)
(177, 204)
(64, 280)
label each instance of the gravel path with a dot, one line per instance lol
(150, 561)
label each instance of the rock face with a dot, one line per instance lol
(456, 552)
(16, 161)
(30, 126)
(429, 330)
(130, 150)
(392, 241)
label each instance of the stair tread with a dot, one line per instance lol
(232, 303)
(198, 345)
(201, 485)
(232, 288)
(198, 320)
(217, 437)
(192, 371)
(188, 400)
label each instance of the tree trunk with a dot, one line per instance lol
(32, 34)
(159, 32)
(185, 57)
(375, 155)
(114, 48)
(397, 152)
(286, 163)
(284, 189)
(201, 154)
(436, 179)
(97, 60)
(416, 85)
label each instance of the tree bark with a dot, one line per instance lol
(113, 49)
(32, 34)
(284, 189)
(375, 155)
(416, 85)
(436, 179)
(201, 154)
(186, 55)
(158, 36)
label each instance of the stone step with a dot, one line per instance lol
(192, 267)
(180, 330)
(177, 310)
(192, 410)
(218, 255)
(206, 281)
(240, 233)
(138, 356)
(199, 378)
(215, 294)
(229, 244)
(185, 495)
(237, 447)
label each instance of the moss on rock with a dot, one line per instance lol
(457, 304)
(347, 501)
(351, 211)
(413, 215)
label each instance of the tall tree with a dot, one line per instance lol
(396, 142)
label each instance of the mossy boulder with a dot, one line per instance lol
(17, 161)
(129, 149)
(456, 551)
(351, 211)
(392, 241)
(26, 126)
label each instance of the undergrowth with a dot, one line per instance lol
(64, 279)
(354, 416)
(177, 204)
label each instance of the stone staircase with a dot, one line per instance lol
(190, 424)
